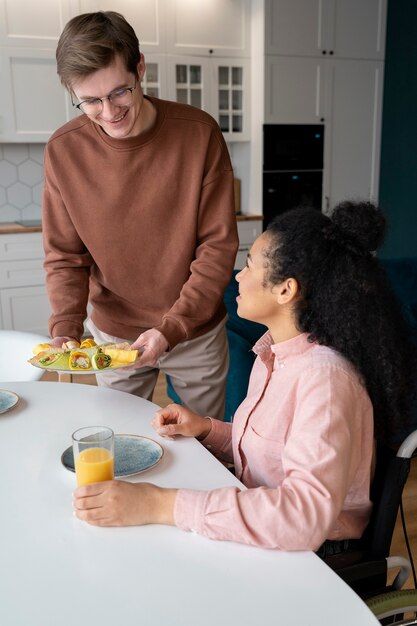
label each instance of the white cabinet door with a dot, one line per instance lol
(294, 27)
(23, 300)
(154, 82)
(219, 86)
(232, 97)
(352, 29)
(28, 23)
(33, 103)
(190, 81)
(147, 17)
(210, 28)
(357, 29)
(294, 90)
(353, 130)
(25, 308)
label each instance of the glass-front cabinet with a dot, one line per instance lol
(230, 89)
(154, 81)
(218, 86)
(189, 84)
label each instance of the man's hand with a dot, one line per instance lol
(154, 345)
(58, 341)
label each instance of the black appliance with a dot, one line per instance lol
(292, 168)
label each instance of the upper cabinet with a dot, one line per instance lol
(324, 63)
(32, 102)
(219, 86)
(35, 25)
(146, 16)
(352, 29)
(195, 52)
(209, 28)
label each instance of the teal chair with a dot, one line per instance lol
(242, 335)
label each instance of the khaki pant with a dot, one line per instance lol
(197, 369)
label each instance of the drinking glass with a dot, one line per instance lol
(93, 448)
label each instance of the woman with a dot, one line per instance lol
(330, 375)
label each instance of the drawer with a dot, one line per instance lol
(22, 273)
(249, 230)
(20, 247)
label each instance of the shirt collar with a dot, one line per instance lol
(282, 350)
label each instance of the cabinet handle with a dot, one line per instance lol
(322, 119)
(331, 52)
(327, 203)
(324, 51)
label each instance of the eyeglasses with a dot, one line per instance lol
(118, 97)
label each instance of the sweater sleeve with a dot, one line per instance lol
(67, 262)
(322, 455)
(216, 247)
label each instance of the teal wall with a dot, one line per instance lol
(398, 174)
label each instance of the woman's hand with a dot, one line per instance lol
(175, 419)
(118, 503)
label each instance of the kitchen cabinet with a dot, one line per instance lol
(23, 300)
(28, 24)
(214, 39)
(345, 95)
(352, 29)
(295, 89)
(155, 80)
(248, 230)
(215, 28)
(32, 101)
(324, 64)
(219, 86)
(352, 136)
(147, 17)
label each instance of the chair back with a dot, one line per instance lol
(15, 350)
(365, 569)
(390, 477)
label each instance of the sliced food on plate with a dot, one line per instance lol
(73, 356)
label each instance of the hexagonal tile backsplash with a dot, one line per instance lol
(21, 181)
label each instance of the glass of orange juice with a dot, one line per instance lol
(93, 448)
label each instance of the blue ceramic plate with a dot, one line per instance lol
(132, 454)
(7, 400)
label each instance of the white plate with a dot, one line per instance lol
(133, 454)
(7, 400)
(90, 371)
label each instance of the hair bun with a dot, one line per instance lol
(361, 222)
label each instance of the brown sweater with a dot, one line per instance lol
(143, 227)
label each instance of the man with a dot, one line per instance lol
(138, 219)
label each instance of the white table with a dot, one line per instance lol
(55, 569)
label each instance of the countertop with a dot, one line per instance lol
(10, 228)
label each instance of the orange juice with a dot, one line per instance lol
(93, 465)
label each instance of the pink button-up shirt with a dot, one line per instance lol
(302, 442)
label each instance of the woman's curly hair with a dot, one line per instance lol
(345, 301)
